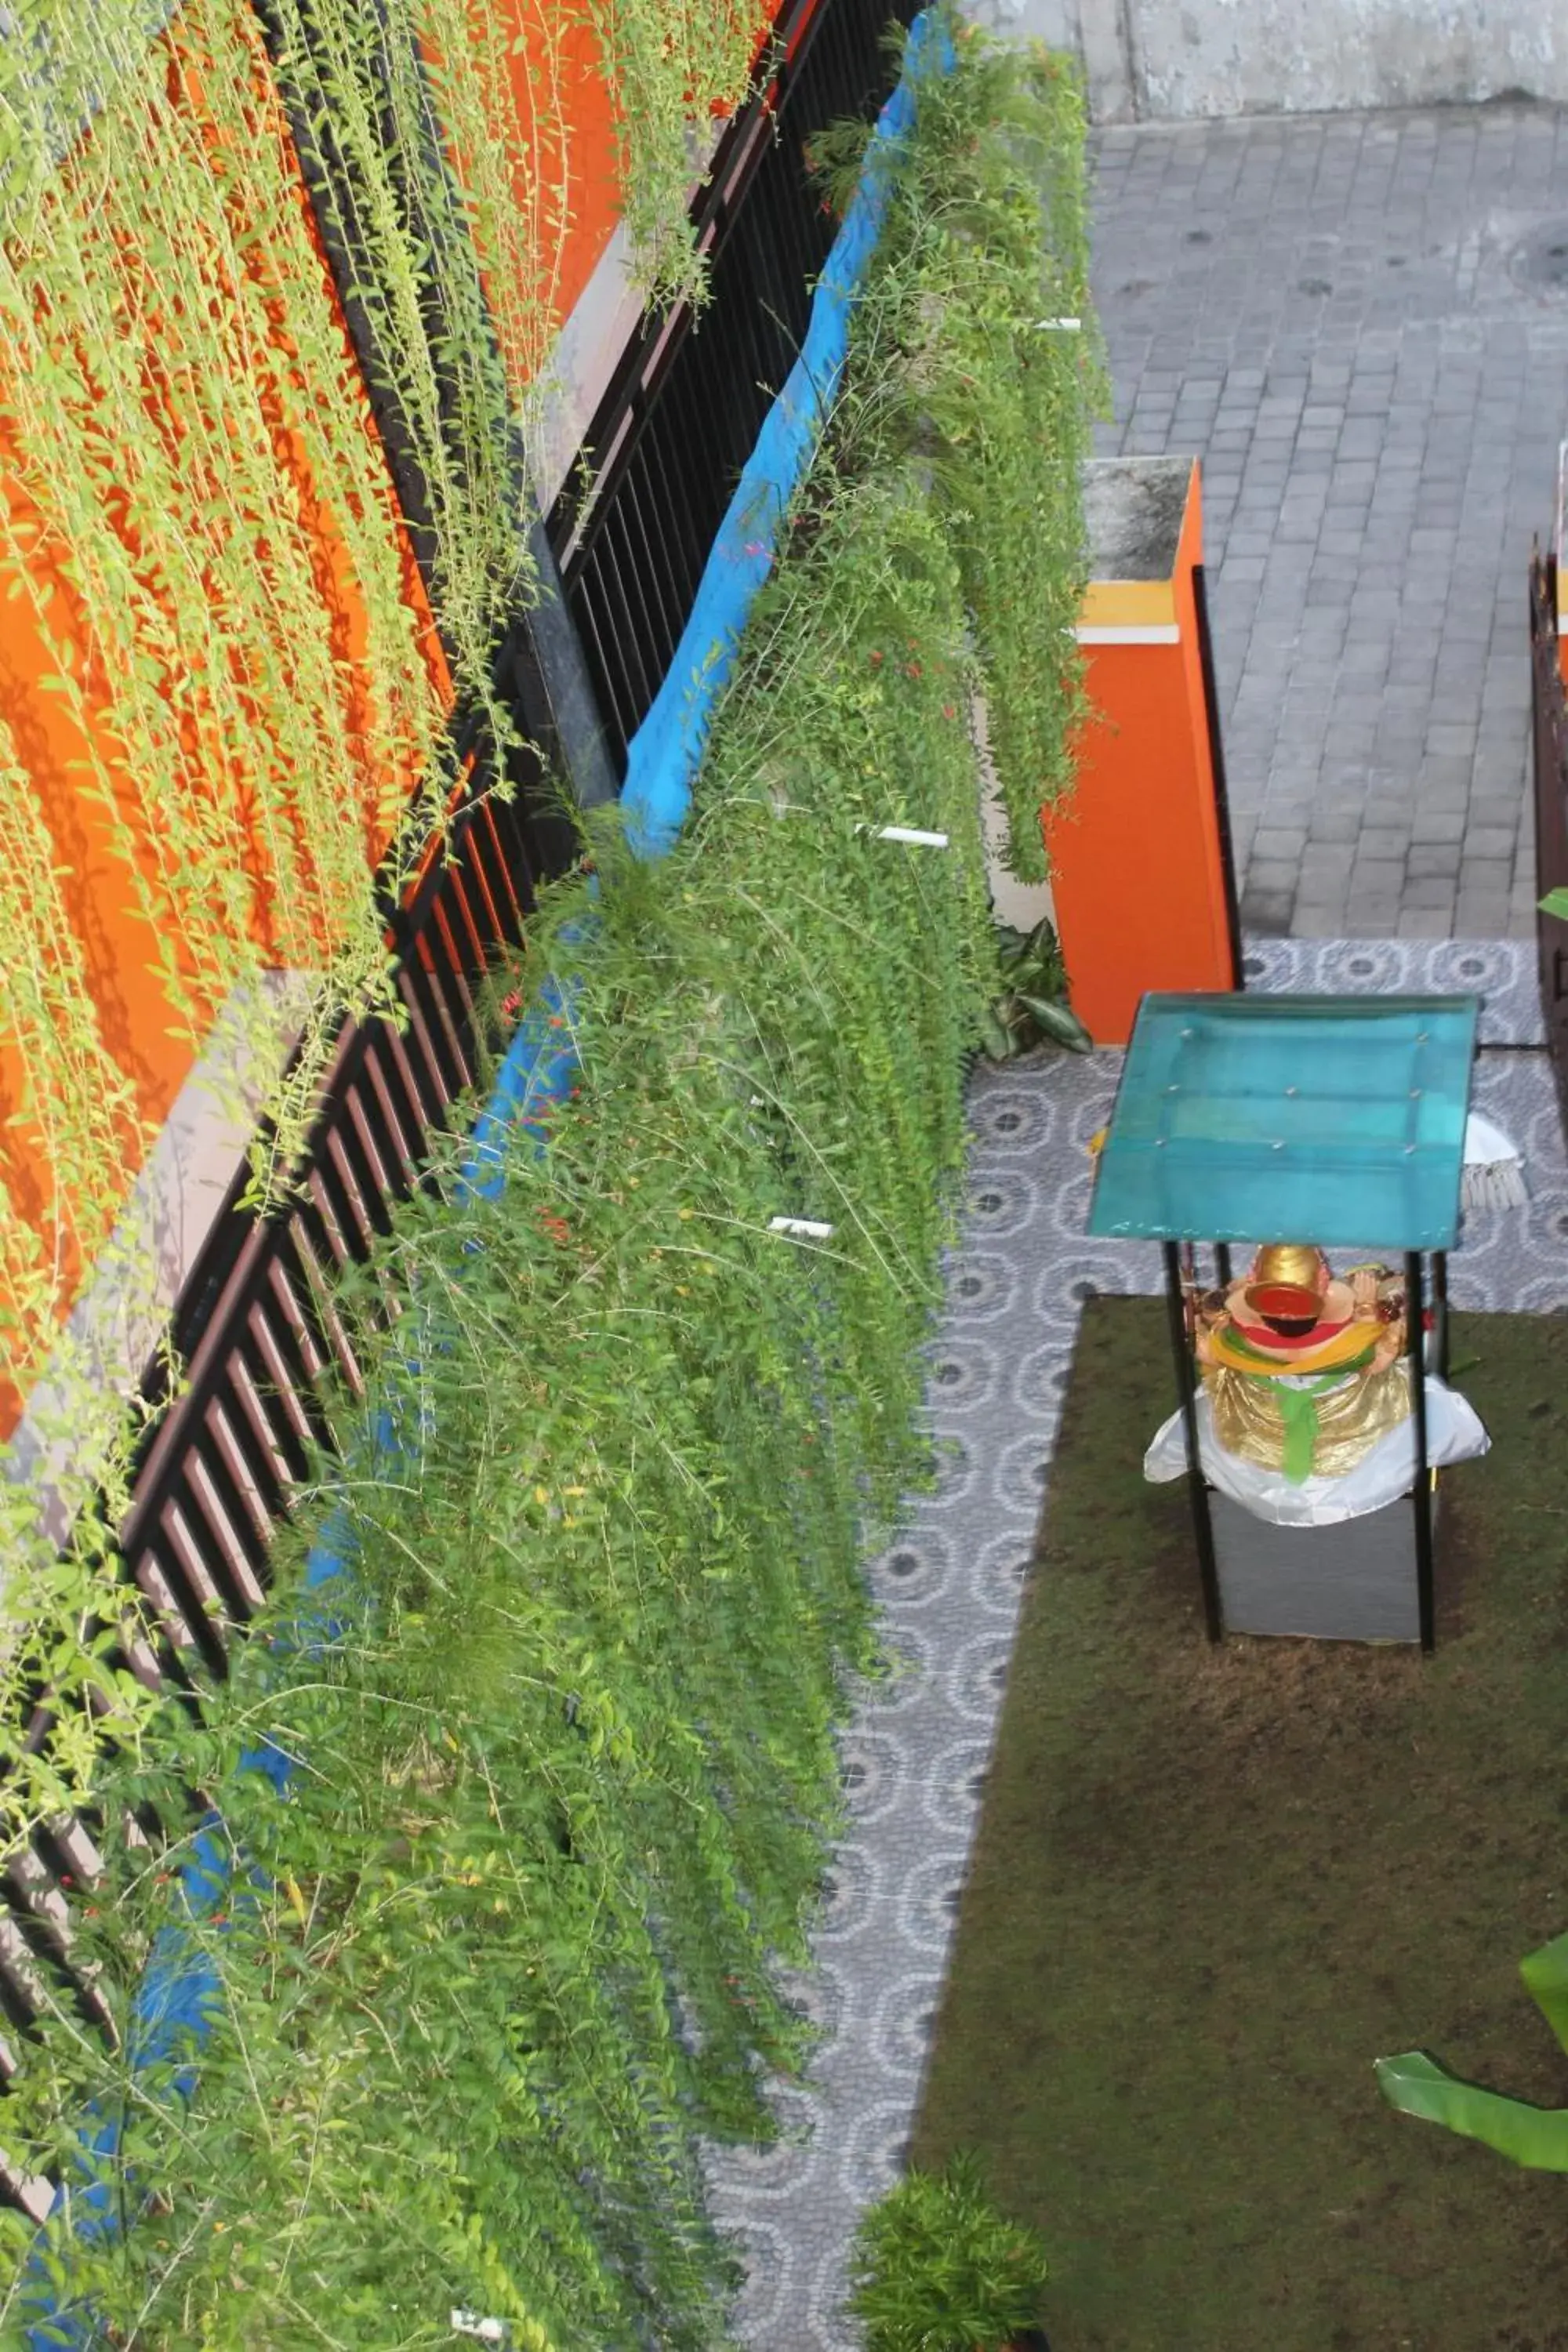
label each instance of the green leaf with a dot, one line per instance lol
(1534, 2137)
(1545, 1973)
(996, 1037)
(1059, 1020)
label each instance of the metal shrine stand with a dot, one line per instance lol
(1317, 1119)
(1234, 1602)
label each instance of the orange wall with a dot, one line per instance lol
(1138, 881)
(583, 155)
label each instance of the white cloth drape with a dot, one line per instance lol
(1454, 1434)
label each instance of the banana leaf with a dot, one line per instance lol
(1533, 2136)
(1556, 903)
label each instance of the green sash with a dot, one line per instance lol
(1299, 1411)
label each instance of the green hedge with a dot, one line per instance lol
(569, 1780)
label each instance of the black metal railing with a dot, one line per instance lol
(664, 451)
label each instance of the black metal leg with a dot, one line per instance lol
(1440, 1312)
(1221, 790)
(1222, 1264)
(1416, 1341)
(1186, 1389)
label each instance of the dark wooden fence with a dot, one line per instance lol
(1549, 741)
(255, 1325)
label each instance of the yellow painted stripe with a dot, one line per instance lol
(1129, 604)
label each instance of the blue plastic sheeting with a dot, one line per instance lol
(536, 1070)
(181, 1992)
(1335, 1119)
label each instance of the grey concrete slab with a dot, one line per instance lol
(1332, 316)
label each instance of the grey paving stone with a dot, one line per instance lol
(1330, 920)
(1424, 891)
(1376, 881)
(1325, 874)
(1481, 915)
(1486, 843)
(1372, 915)
(1271, 876)
(1434, 861)
(1335, 824)
(1267, 910)
(1279, 843)
(1445, 784)
(1494, 876)
(1430, 824)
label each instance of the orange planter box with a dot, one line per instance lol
(1138, 864)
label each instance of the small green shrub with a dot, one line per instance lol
(936, 2268)
(1032, 1003)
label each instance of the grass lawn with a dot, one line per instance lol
(1211, 1886)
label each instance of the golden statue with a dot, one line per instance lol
(1304, 1371)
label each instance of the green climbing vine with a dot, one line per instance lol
(672, 69)
(989, 365)
(183, 434)
(64, 1068)
(512, 1943)
(181, 420)
(180, 423)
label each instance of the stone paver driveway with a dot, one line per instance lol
(1358, 323)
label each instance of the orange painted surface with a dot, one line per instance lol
(566, 111)
(116, 943)
(1138, 880)
(577, 139)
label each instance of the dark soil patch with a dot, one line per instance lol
(1211, 1886)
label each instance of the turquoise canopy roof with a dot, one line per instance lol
(1335, 1119)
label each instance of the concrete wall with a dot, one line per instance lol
(1166, 59)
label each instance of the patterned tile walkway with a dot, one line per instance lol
(916, 1755)
(1338, 314)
